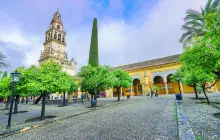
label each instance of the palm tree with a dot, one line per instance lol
(2, 64)
(195, 21)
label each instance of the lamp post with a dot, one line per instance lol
(15, 77)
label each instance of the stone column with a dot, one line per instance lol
(131, 91)
(121, 91)
(165, 81)
(181, 87)
(70, 97)
(166, 87)
(109, 93)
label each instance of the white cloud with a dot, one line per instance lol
(14, 37)
(120, 43)
(158, 36)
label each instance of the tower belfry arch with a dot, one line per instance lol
(55, 45)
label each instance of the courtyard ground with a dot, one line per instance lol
(139, 118)
(204, 124)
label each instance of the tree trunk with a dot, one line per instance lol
(95, 96)
(16, 104)
(206, 95)
(22, 100)
(118, 94)
(43, 105)
(26, 100)
(7, 102)
(195, 92)
(39, 98)
(64, 98)
(82, 98)
(92, 98)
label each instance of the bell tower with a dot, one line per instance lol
(55, 45)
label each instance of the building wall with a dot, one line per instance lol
(146, 76)
(218, 85)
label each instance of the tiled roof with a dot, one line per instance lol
(149, 63)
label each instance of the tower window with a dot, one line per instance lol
(55, 36)
(59, 36)
(58, 26)
(63, 39)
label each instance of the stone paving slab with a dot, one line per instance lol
(51, 110)
(200, 115)
(136, 119)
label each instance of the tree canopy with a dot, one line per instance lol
(93, 53)
(122, 79)
(95, 78)
(195, 20)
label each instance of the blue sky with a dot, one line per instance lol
(129, 30)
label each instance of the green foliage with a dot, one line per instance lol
(2, 64)
(195, 21)
(122, 79)
(198, 88)
(48, 77)
(177, 76)
(5, 74)
(5, 87)
(95, 78)
(93, 53)
(66, 83)
(155, 88)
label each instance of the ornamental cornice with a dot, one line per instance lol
(153, 67)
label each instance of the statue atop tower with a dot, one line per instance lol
(55, 45)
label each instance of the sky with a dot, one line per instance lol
(129, 31)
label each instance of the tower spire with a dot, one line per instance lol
(57, 18)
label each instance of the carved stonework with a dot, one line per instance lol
(55, 45)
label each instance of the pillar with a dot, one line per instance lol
(165, 81)
(131, 91)
(121, 92)
(181, 87)
(109, 93)
(70, 97)
(166, 87)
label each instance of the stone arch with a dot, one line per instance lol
(55, 36)
(58, 26)
(137, 87)
(169, 78)
(158, 80)
(157, 74)
(136, 82)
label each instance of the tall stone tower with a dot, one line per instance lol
(55, 45)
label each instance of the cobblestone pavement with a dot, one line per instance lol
(202, 121)
(145, 118)
(51, 110)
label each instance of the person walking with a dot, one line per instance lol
(152, 92)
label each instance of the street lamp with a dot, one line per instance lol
(15, 77)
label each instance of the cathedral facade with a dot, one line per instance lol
(55, 46)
